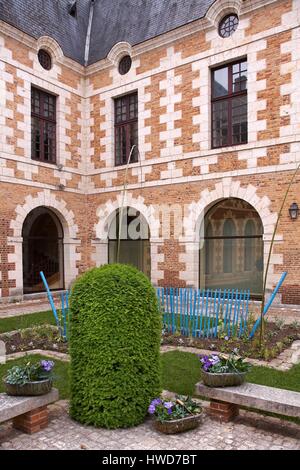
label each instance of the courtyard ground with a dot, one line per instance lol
(250, 431)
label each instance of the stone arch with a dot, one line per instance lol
(70, 229)
(228, 188)
(193, 224)
(51, 46)
(118, 51)
(105, 214)
(221, 8)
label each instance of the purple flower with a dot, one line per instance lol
(169, 411)
(214, 360)
(156, 401)
(153, 405)
(226, 338)
(151, 409)
(168, 405)
(47, 365)
(204, 359)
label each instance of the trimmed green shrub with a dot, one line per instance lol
(115, 346)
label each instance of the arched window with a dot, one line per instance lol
(42, 250)
(232, 254)
(228, 245)
(209, 248)
(129, 240)
(249, 245)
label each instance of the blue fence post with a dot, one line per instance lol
(50, 298)
(268, 305)
(197, 312)
(217, 312)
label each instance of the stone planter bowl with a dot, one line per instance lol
(223, 380)
(40, 387)
(178, 425)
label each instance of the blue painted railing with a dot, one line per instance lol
(204, 313)
(188, 311)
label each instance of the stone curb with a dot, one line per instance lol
(53, 354)
(284, 361)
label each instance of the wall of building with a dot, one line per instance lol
(177, 164)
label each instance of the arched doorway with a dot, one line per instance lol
(231, 256)
(134, 246)
(42, 250)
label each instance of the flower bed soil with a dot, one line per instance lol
(276, 339)
(16, 342)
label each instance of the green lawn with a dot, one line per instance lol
(24, 321)
(181, 371)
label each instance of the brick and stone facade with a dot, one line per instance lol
(177, 168)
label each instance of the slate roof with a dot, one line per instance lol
(133, 21)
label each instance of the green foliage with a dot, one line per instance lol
(60, 377)
(29, 372)
(172, 410)
(41, 332)
(216, 363)
(114, 344)
(279, 323)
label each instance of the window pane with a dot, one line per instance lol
(239, 77)
(35, 138)
(49, 142)
(220, 82)
(35, 102)
(232, 254)
(134, 140)
(121, 110)
(220, 123)
(126, 125)
(133, 107)
(239, 120)
(43, 137)
(49, 107)
(120, 145)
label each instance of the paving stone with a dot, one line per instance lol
(63, 433)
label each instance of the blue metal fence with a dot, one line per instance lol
(188, 311)
(204, 313)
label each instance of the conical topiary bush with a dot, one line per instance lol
(114, 345)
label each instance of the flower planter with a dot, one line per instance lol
(223, 380)
(178, 425)
(40, 387)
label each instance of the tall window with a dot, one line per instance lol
(232, 252)
(126, 128)
(249, 245)
(228, 234)
(43, 126)
(134, 244)
(229, 105)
